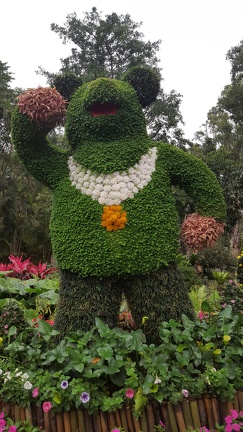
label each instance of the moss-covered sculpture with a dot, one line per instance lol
(114, 225)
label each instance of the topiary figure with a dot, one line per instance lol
(114, 224)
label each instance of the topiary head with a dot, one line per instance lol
(108, 110)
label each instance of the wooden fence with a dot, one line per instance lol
(185, 416)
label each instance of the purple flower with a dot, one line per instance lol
(185, 393)
(85, 397)
(64, 384)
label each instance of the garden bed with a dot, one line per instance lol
(187, 415)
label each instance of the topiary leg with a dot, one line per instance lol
(84, 299)
(160, 296)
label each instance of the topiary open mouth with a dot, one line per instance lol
(106, 108)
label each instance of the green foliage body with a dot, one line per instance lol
(85, 250)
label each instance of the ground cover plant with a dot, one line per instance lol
(106, 368)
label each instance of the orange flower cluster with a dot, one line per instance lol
(44, 105)
(199, 232)
(113, 218)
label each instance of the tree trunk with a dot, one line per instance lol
(235, 239)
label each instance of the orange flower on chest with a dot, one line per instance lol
(113, 218)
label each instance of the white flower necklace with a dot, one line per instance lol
(114, 188)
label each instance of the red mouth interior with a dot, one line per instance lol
(106, 108)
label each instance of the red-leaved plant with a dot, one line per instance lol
(17, 268)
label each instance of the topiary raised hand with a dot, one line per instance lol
(114, 224)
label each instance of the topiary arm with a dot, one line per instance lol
(37, 113)
(200, 183)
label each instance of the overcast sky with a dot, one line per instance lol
(195, 34)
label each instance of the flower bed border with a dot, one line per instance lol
(190, 414)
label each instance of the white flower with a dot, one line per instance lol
(18, 374)
(25, 376)
(116, 187)
(89, 192)
(1, 371)
(157, 380)
(7, 376)
(27, 385)
(107, 188)
(207, 380)
(102, 200)
(86, 177)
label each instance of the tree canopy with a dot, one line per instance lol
(221, 141)
(104, 46)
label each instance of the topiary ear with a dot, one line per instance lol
(145, 81)
(66, 84)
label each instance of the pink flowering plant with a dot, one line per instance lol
(232, 422)
(7, 425)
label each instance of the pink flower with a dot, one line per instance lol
(228, 419)
(234, 414)
(228, 428)
(115, 430)
(236, 427)
(12, 429)
(46, 406)
(224, 305)
(200, 315)
(35, 392)
(2, 423)
(129, 393)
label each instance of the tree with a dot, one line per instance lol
(6, 96)
(235, 56)
(24, 220)
(104, 47)
(108, 47)
(221, 143)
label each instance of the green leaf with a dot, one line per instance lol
(227, 312)
(12, 331)
(105, 351)
(181, 347)
(140, 400)
(205, 307)
(57, 398)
